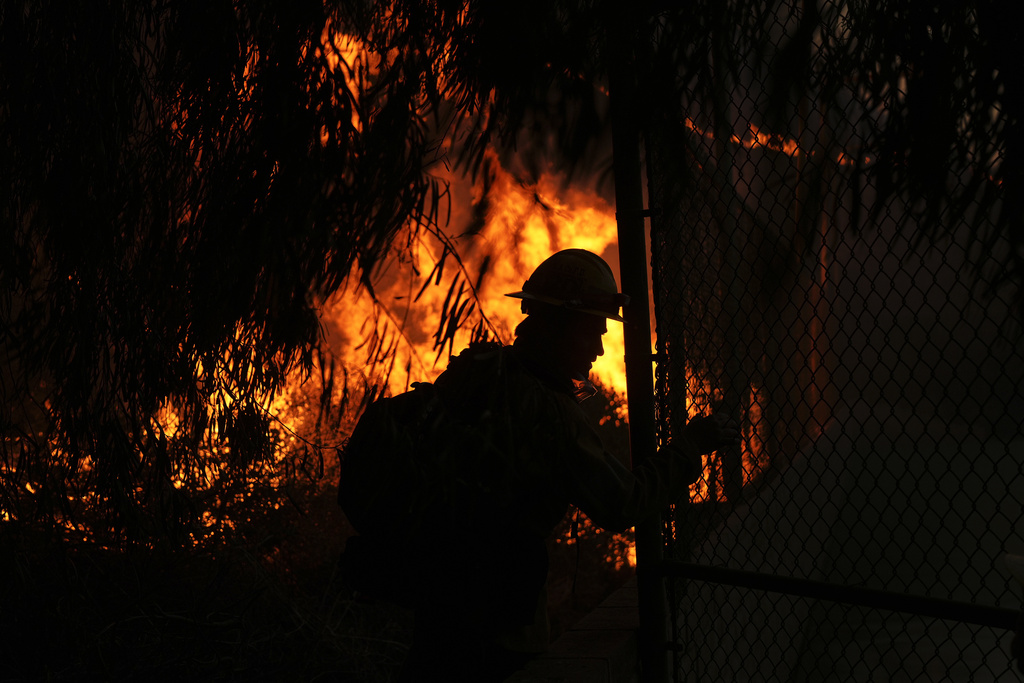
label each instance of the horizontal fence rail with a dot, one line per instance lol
(970, 613)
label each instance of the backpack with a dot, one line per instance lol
(388, 477)
(406, 485)
(425, 473)
(434, 481)
(427, 456)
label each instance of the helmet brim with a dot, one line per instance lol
(581, 307)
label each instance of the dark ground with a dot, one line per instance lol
(264, 610)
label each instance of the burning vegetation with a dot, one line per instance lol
(194, 318)
(229, 225)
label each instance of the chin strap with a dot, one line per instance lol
(583, 388)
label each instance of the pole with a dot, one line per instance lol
(629, 214)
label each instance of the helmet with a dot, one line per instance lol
(578, 280)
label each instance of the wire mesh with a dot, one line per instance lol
(877, 380)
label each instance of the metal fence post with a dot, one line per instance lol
(629, 211)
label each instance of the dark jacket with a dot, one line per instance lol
(537, 455)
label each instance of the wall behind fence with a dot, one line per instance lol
(878, 383)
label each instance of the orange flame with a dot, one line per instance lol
(524, 224)
(755, 138)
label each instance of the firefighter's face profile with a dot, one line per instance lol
(580, 343)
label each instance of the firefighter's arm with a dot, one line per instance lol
(708, 433)
(616, 498)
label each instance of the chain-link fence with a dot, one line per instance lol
(859, 531)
